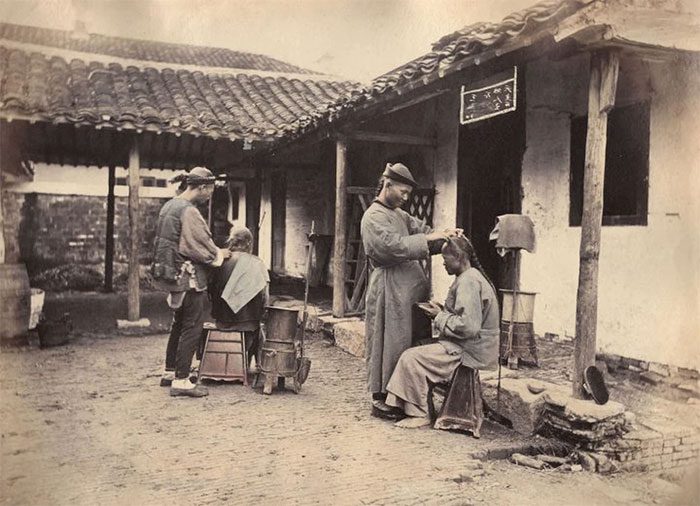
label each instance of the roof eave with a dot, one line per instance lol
(10, 115)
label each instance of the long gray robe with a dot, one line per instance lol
(469, 323)
(468, 326)
(394, 241)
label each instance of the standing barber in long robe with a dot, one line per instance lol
(394, 241)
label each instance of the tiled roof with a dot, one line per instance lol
(183, 100)
(145, 50)
(449, 51)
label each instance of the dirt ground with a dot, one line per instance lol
(88, 424)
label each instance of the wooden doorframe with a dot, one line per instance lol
(278, 204)
(473, 182)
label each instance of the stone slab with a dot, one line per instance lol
(651, 377)
(350, 336)
(516, 402)
(329, 321)
(127, 324)
(314, 321)
(493, 375)
(581, 409)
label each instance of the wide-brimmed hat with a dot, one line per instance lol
(399, 172)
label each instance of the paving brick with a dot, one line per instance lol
(88, 424)
(671, 442)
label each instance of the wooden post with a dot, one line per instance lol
(134, 180)
(341, 152)
(2, 221)
(601, 99)
(109, 237)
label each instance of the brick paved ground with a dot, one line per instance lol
(87, 424)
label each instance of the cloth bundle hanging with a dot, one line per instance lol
(513, 231)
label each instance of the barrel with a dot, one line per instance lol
(524, 306)
(524, 345)
(15, 298)
(278, 357)
(281, 323)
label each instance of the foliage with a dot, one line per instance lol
(68, 277)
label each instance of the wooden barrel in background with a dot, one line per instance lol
(524, 345)
(15, 298)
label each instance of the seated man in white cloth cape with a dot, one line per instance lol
(239, 290)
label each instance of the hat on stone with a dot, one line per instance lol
(200, 175)
(399, 172)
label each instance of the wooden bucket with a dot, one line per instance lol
(524, 306)
(524, 345)
(281, 323)
(15, 298)
(278, 357)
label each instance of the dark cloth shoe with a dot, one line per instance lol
(196, 391)
(392, 414)
(167, 378)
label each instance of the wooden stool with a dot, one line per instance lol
(224, 356)
(462, 407)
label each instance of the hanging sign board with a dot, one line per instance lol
(489, 101)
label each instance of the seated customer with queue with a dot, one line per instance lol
(239, 290)
(468, 335)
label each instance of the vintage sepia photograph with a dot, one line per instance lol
(349, 252)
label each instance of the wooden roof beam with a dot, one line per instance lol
(390, 138)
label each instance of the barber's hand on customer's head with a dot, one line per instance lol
(226, 252)
(444, 234)
(438, 235)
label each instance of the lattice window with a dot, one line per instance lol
(357, 268)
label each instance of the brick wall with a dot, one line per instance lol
(655, 449)
(44, 230)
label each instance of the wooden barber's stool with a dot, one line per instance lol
(462, 406)
(224, 355)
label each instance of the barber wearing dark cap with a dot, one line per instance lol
(184, 249)
(394, 242)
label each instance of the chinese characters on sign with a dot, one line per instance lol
(489, 101)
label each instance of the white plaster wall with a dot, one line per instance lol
(239, 188)
(649, 275)
(83, 180)
(309, 198)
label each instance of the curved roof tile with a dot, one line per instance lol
(235, 106)
(146, 50)
(450, 49)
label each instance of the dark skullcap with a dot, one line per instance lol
(399, 172)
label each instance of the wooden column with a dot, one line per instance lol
(134, 181)
(341, 152)
(601, 99)
(109, 234)
(2, 221)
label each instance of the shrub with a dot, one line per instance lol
(68, 277)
